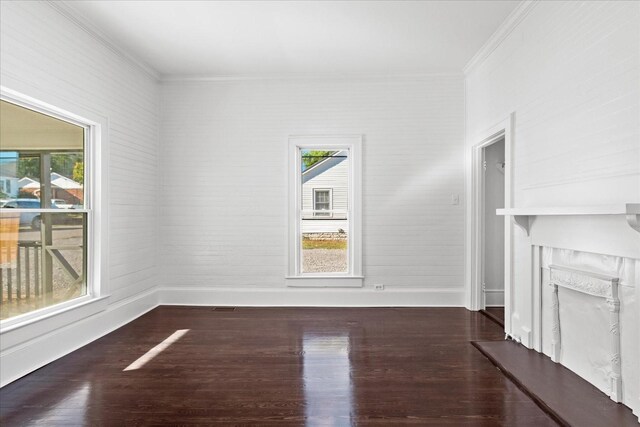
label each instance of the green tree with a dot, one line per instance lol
(311, 157)
(29, 167)
(78, 172)
(62, 163)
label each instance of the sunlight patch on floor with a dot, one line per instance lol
(149, 355)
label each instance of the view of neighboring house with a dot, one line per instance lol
(62, 188)
(324, 187)
(8, 180)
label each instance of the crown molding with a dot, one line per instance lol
(171, 78)
(508, 25)
(66, 9)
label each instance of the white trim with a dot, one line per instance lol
(45, 313)
(38, 210)
(66, 9)
(95, 199)
(508, 25)
(523, 217)
(619, 209)
(475, 213)
(493, 298)
(324, 281)
(184, 78)
(34, 352)
(352, 144)
(311, 297)
(20, 332)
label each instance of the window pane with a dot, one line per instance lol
(33, 275)
(325, 244)
(324, 206)
(42, 255)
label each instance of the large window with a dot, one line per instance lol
(44, 211)
(325, 210)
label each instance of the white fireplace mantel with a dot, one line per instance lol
(523, 217)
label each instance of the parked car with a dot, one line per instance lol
(61, 203)
(32, 219)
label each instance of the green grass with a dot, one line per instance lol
(324, 244)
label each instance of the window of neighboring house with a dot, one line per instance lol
(43, 248)
(322, 202)
(325, 211)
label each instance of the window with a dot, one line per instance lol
(45, 211)
(322, 202)
(325, 206)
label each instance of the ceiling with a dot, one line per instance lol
(275, 38)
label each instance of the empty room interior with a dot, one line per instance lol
(320, 213)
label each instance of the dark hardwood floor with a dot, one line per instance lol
(279, 366)
(495, 313)
(572, 400)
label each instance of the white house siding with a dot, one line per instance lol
(570, 72)
(335, 178)
(46, 55)
(230, 139)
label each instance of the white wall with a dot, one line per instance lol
(228, 230)
(46, 55)
(569, 71)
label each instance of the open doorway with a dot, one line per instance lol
(501, 134)
(493, 232)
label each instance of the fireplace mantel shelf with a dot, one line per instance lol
(522, 216)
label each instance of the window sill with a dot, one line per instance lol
(15, 333)
(324, 281)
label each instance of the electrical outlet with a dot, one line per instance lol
(378, 287)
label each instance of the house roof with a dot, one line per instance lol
(57, 180)
(337, 154)
(324, 165)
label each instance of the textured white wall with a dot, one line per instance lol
(49, 57)
(228, 227)
(570, 72)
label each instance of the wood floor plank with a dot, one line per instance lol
(280, 366)
(570, 399)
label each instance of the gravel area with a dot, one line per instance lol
(324, 260)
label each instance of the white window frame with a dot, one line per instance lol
(353, 277)
(95, 208)
(315, 207)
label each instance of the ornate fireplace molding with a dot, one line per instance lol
(597, 285)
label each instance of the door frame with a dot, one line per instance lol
(503, 129)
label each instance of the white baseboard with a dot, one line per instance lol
(494, 297)
(311, 297)
(21, 359)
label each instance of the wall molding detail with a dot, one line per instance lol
(66, 9)
(597, 285)
(503, 31)
(19, 360)
(311, 297)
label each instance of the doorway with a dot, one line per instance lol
(493, 232)
(501, 132)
